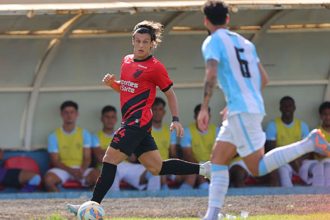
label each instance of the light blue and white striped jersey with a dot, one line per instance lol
(238, 72)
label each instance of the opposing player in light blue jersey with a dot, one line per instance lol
(233, 61)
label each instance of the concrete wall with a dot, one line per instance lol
(83, 62)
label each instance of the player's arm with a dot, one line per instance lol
(99, 153)
(55, 158)
(55, 162)
(173, 105)
(173, 151)
(86, 159)
(264, 76)
(209, 84)
(110, 80)
(188, 154)
(271, 135)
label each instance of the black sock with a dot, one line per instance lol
(179, 167)
(104, 182)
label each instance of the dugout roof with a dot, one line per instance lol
(48, 18)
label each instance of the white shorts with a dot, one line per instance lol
(243, 130)
(316, 172)
(65, 176)
(131, 173)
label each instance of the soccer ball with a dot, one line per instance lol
(90, 211)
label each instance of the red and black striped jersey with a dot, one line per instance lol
(138, 82)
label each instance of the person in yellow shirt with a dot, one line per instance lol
(165, 140)
(69, 148)
(101, 140)
(316, 172)
(282, 131)
(197, 147)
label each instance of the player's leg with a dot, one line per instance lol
(104, 182)
(327, 172)
(19, 177)
(153, 183)
(30, 180)
(123, 144)
(116, 183)
(238, 173)
(54, 177)
(202, 183)
(132, 173)
(283, 155)
(163, 182)
(149, 156)
(90, 176)
(318, 177)
(156, 166)
(125, 141)
(285, 172)
(229, 141)
(222, 154)
(305, 171)
(189, 181)
(249, 127)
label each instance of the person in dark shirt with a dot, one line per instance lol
(28, 181)
(141, 74)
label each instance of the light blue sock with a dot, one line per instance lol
(217, 190)
(35, 181)
(283, 155)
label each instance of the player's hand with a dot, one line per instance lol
(108, 79)
(76, 173)
(178, 128)
(203, 120)
(82, 170)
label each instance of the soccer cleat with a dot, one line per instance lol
(321, 145)
(73, 208)
(215, 216)
(205, 169)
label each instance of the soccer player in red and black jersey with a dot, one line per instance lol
(141, 73)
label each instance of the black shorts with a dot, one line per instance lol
(133, 139)
(11, 178)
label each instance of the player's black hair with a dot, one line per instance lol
(197, 109)
(286, 98)
(69, 103)
(108, 108)
(215, 11)
(154, 29)
(159, 100)
(325, 105)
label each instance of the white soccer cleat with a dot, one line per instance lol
(205, 169)
(73, 208)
